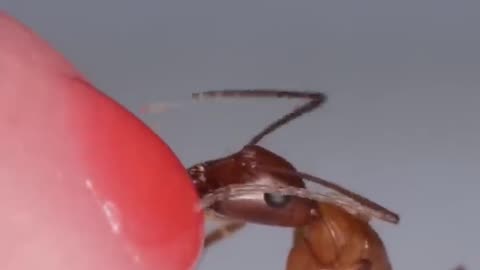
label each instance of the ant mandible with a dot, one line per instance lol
(255, 185)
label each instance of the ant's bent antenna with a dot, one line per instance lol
(316, 99)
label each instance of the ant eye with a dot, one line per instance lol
(276, 200)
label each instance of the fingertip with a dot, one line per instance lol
(85, 184)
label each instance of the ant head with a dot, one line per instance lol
(219, 177)
(269, 209)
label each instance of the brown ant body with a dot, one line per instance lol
(255, 185)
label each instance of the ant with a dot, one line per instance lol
(255, 185)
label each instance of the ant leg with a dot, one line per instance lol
(223, 232)
(301, 255)
(316, 99)
(324, 229)
(308, 252)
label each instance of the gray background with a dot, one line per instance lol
(401, 125)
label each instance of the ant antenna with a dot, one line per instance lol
(385, 213)
(316, 99)
(238, 190)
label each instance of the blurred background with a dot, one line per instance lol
(401, 125)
